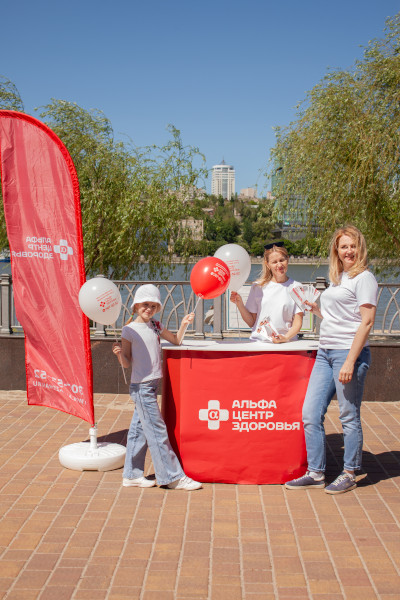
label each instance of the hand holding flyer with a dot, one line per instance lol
(266, 328)
(303, 294)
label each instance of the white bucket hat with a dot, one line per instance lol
(147, 293)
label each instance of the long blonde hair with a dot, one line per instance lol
(336, 265)
(266, 273)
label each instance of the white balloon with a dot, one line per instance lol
(100, 300)
(239, 263)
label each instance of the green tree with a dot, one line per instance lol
(223, 226)
(132, 198)
(340, 159)
(10, 99)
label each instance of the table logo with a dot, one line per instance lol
(213, 414)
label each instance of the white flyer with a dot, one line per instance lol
(303, 294)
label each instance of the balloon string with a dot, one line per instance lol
(194, 310)
(116, 339)
(198, 300)
(237, 316)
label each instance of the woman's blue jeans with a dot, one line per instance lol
(322, 386)
(148, 430)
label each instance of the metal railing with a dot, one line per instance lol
(178, 299)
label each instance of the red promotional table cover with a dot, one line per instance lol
(235, 417)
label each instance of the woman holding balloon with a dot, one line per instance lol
(270, 311)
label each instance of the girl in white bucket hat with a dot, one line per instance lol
(141, 349)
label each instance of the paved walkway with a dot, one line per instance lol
(80, 535)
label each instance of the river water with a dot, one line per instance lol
(299, 271)
(302, 272)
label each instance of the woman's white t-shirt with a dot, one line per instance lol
(273, 302)
(340, 308)
(145, 349)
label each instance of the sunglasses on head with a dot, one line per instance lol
(277, 244)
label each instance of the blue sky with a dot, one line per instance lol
(224, 73)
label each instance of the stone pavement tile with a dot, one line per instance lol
(223, 592)
(259, 561)
(258, 576)
(324, 586)
(108, 548)
(327, 596)
(223, 542)
(221, 579)
(167, 566)
(5, 584)
(160, 580)
(41, 561)
(310, 542)
(287, 564)
(290, 579)
(61, 576)
(251, 548)
(192, 587)
(257, 592)
(129, 575)
(387, 584)
(31, 580)
(25, 594)
(286, 593)
(11, 568)
(138, 550)
(191, 565)
(360, 593)
(124, 593)
(87, 594)
(166, 595)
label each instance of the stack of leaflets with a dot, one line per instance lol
(266, 327)
(304, 293)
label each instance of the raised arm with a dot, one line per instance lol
(176, 338)
(248, 317)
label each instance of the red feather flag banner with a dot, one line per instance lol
(43, 217)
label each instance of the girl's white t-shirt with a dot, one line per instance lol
(272, 301)
(145, 349)
(340, 308)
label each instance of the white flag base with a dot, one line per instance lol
(92, 456)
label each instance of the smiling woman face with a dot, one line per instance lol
(347, 251)
(278, 265)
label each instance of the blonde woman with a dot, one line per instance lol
(269, 301)
(347, 311)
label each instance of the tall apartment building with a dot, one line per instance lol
(223, 180)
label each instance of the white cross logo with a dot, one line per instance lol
(63, 250)
(213, 414)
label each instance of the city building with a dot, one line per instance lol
(248, 193)
(293, 218)
(223, 180)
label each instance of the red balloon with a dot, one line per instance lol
(210, 277)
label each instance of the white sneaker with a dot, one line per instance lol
(185, 483)
(139, 482)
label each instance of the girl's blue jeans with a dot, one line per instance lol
(148, 430)
(322, 386)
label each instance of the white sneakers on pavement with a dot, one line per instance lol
(139, 482)
(185, 483)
